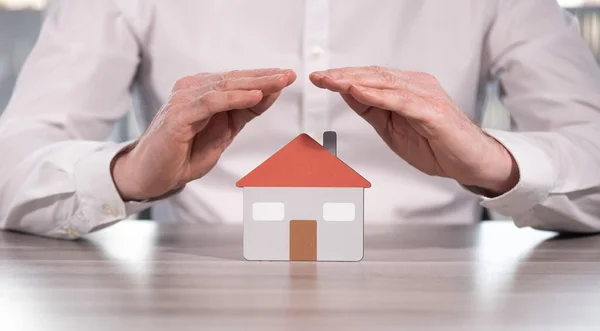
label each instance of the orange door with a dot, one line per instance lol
(303, 240)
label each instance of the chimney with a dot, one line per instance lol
(330, 142)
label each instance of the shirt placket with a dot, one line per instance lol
(315, 57)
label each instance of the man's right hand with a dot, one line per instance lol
(186, 138)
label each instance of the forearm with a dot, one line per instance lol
(559, 186)
(58, 188)
(54, 169)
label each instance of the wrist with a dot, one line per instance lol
(500, 173)
(123, 176)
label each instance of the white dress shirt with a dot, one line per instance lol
(94, 57)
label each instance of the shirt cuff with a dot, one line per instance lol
(100, 201)
(537, 175)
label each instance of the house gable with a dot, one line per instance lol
(303, 162)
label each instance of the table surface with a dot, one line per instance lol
(143, 275)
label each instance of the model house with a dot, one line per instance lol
(303, 203)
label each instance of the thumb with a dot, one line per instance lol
(375, 116)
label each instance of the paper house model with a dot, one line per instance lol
(304, 204)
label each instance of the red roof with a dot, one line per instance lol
(303, 162)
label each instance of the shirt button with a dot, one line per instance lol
(72, 232)
(109, 210)
(317, 51)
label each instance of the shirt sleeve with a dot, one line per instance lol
(55, 175)
(551, 87)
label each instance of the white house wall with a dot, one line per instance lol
(336, 241)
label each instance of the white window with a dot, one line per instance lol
(268, 211)
(344, 212)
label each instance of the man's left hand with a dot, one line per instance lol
(420, 122)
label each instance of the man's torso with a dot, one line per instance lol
(443, 38)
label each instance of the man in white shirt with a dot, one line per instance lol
(425, 158)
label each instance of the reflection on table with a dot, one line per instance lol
(145, 275)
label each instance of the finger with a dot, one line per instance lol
(243, 116)
(265, 103)
(316, 78)
(291, 76)
(201, 79)
(352, 70)
(358, 107)
(375, 116)
(236, 74)
(213, 102)
(375, 80)
(266, 84)
(334, 72)
(365, 69)
(402, 102)
(420, 77)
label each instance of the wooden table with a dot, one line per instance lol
(145, 276)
